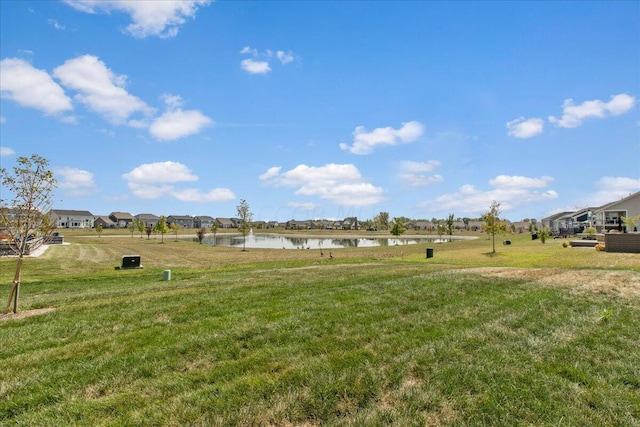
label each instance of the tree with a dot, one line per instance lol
(200, 234)
(630, 223)
(161, 227)
(31, 185)
(245, 215)
(543, 233)
(450, 226)
(175, 227)
(398, 227)
(99, 229)
(492, 223)
(440, 229)
(133, 226)
(382, 220)
(142, 226)
(214, 230)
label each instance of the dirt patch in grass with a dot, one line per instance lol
(26, 313)
(625, 283)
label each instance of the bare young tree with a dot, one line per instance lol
(492, 223)
(245, 215)
(24, 217)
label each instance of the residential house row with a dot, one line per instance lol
(65, 218)
(605, 219)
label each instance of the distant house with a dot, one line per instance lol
(259, 224)
(104, 221)
(350, 223)
(184, 221)
(203, 221)
(150, 220)
(224, 223)
(298, 225)
(422, 225)
(122, 219)
(273, 224)
(63, 218)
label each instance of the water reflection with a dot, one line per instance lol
(271, 241)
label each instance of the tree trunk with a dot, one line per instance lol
(14, 295)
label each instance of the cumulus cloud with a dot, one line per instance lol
(32, 87)
(152, 173)
(161, 18)
(6, 151)
(510, 191)
(525, 128)
(610, 189)
(573, 115)
(176, 123)
(255, 67)
(155, 180)
(343, 184)
(416, 174)
(365, 142)
(100, 89)
(76, 182)
(260, 63)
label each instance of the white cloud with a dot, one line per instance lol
(160, 18)
(285, 58)
(6, 151)
(56, 24)
(2, 119)
(152, 181)
(75, 182)
(341, 184)
(364, 142)
(151, 173)
(525, 128)
(178, 124)
(255, 67)
(260, 64)
(573, 115)
(510, 191)
(31, 87)
(100, 89)
(270, 173)
(416, 173)
(610, 189)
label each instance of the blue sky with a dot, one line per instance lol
(316, 109)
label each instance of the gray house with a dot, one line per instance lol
(184, 221)
(150, 220)
(204, 221)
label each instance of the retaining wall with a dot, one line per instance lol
(622, 242)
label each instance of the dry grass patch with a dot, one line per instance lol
(625, 283)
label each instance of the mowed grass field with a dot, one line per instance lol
(532, 335)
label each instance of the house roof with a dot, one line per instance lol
(205, 217)
(145, 216)
(224, 220)
(624, 199)
(181, 217)
(121, 215)
(67, 212)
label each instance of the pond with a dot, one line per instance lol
(274, 241)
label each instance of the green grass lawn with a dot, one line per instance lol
(376, 336)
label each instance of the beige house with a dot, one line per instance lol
(610, 216)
